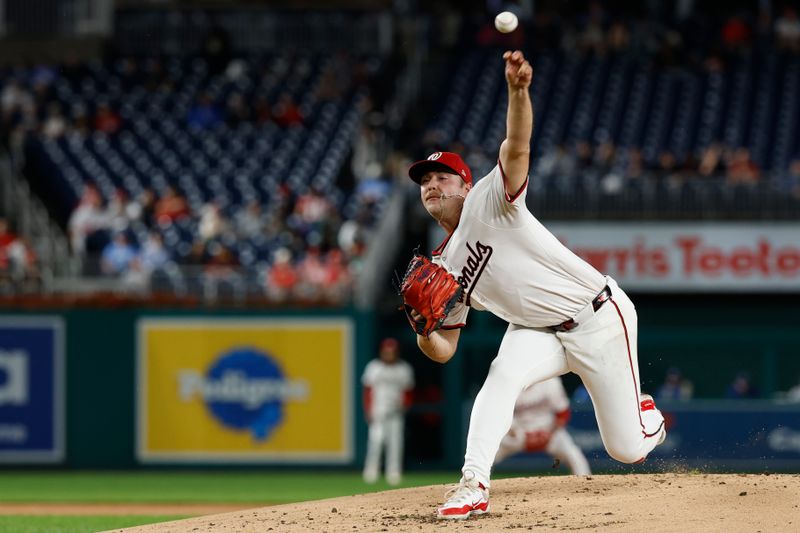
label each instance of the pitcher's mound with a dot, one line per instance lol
(645, 502)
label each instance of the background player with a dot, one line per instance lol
(563, 314)
(540, 416)
(388, 384)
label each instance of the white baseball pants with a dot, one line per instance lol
(385, 433)
(601, 350)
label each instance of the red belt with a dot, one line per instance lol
(601, 298)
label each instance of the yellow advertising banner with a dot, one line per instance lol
(241, 390)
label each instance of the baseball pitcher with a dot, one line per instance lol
(388, 383)
(539, 425)
(563, 315)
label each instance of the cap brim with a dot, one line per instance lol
(420, 168)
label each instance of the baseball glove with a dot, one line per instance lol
(431, 291)
(537, 441)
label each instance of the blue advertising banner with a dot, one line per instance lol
(714, 435)
(31, 389)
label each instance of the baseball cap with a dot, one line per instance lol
(443, 161)
(389, 344)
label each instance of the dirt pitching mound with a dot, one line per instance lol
(727, 503)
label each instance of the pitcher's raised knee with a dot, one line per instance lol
(626, 454)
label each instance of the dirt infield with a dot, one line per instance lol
(727, 503)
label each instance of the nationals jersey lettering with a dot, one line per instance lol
(510, 264)
(478, 258)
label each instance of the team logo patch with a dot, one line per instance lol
(434, 156)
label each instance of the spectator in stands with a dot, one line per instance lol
(118, 256)
(742, 169)
(675, 386)
(143, 208)
(635, 169)
(604, 156)
(666, 166)
(714, 63)
(236, 111)
(592, 37)
(205, 114)
(54, 125)
(6, 235)
(250, 221)
(23, 262)
(338, 279)
(106, 120)
(171, 206)
(686, 170)
(80, 120)
(787, 30)
(212, 222)
(792, 181)
(312, 209)
(282, 278)
(583, 155)
(365, 161)
(18, 113)
(735, 34)
(117, 210)
(87, 218)
(220, 262)
(558, 161)
(618, 37)
(312, 275)
(14, 99)
(153, 255)
(286, 112)
(742, 387)
(155, 76)
(262, 110)
(711, 161)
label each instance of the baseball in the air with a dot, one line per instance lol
(506, 22)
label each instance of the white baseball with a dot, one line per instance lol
(506, 22)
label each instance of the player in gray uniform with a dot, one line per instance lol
(563, 315)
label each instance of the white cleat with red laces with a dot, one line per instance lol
(467, 498)
(647, 403)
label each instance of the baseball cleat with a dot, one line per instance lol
(648, 404)
(663, 436)
(469, 497)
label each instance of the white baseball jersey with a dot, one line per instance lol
(388, 383)
(510, 264)
(538, 404)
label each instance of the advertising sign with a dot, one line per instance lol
(701, 257)
(251, 391)
(31, 389)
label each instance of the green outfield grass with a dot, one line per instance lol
(74, 524)
(196, 487)
(254, 488)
